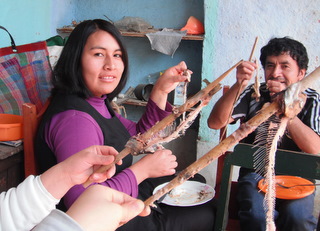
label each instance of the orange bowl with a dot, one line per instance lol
(10, 127)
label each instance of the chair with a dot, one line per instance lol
(301, 164)
(31, 121)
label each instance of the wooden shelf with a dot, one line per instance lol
(68, 30)
(143, 34)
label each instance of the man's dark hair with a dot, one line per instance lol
(278, 46)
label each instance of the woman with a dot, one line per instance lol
(91, 71)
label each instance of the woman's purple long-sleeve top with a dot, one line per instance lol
(71, 131)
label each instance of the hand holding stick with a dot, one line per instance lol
(144, 138)
(250, 59)
(216, 152)
(239, 134)
(242, 85)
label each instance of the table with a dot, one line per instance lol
(11, 166)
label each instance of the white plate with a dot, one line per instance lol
(190, 193)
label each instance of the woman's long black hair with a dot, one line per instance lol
(67, 74)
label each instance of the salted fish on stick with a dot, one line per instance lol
(244, 129)
(145, 137)
(216, 152)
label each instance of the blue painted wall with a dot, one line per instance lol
(160, 14)
(35, 20)
(27, 20)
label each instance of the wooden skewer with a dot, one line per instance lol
(256, 85)
(293, 99)
(312, 81)
(234, 138)
(145, 137)
(242, 86)
(253, 48)
(185, 122)
(216, 152)
(256, 80)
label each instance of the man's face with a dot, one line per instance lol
(281, 71)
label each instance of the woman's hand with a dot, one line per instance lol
(103, 208)
(167, 82)
(160, 163)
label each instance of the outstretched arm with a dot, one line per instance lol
(77, 169)
(103, 208)
(33, 199)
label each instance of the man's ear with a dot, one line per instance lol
(302, 74)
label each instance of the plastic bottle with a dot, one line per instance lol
(180, 94)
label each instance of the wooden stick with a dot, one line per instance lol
(242, 85)
(253, 48)
(202, 94)
(293, 98)
(312, 81)
(244, 130)
(217, 151)
(185, 122)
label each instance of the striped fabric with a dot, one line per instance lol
(24, 77)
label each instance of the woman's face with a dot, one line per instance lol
(101, 63)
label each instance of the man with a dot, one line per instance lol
(285, 61)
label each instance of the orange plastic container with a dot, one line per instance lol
(10, 127)
(193, 26)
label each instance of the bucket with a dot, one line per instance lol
(10, 127)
